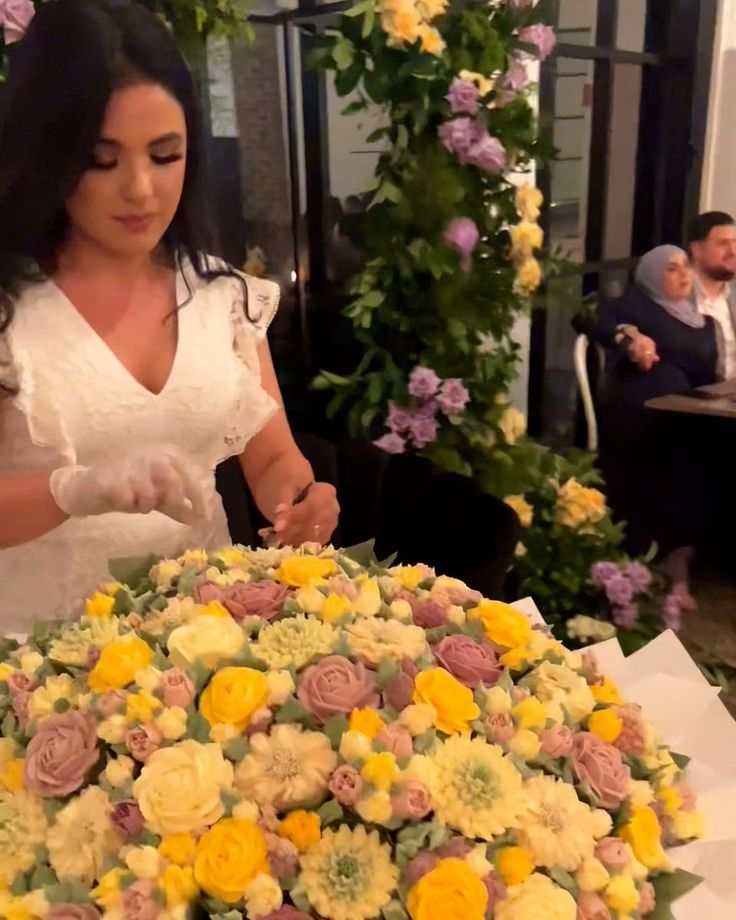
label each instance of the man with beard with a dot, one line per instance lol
(712, 245)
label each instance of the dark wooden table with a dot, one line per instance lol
(723, 406)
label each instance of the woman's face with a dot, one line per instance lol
(126, 200)
(678, 277)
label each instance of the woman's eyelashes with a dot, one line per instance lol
(156, 159)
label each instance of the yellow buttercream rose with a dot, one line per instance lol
(451, 889)
(368, 602)
(606, 724)
(229, 856)
(179, 849)
(179, 885)
(523, 509)
(644, 835)
(525, 744)
(670, 798)
(214, 609)
(179, 788)
(410, 576)
(621, 895)
(454, 705)
(537, 898)
(99, 605)
(6, 670)
(302, 828)
(367, 721)
(118, 664)
(687, 825)
(304, 570)
(206, 639)
(11, 775)
(502, 624)
(107, 891)
(335, 606)
(606, 691)
(233, 695)
(381, 770)
(514, 864)
(140, 707)
(530, 713)
(579, 507)
(375, 808)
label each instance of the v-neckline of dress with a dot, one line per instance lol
(181, 288)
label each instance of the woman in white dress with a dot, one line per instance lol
(131, 364)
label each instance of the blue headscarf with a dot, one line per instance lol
(650, 278)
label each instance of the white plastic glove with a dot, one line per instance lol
(156, 478)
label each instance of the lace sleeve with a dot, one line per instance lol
(253, 307)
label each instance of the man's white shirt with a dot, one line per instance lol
(718, 307)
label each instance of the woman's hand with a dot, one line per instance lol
(642, 352)
(155, 478)
(312, 520)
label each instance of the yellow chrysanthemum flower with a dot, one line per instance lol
(349, 875)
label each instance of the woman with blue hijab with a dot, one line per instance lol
(658, 343)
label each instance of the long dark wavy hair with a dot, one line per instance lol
(75, 55)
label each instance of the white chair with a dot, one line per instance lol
(580, 357)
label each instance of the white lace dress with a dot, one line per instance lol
(77, 404)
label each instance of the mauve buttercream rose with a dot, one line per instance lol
(19, 701)
(20, 682)
(177, 688)
(139, 902)
(500, 727)
(65, 911)
(398, 691)
(599, 766)
(648, 899)
(346, 784)
(206, 592)
(287, 912)
(592, 907)
(633, 736)
(612, 852)
(341, 584)
(496, 891)
(412, 802)
(141, 742)
(110, 703)
(472, 663)
(60, 754)
(419, 866)
(556, 741)
(396, 740)
(337, 686)
(127, 818)
(427, 613)
(262, 599)
(456, 848)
